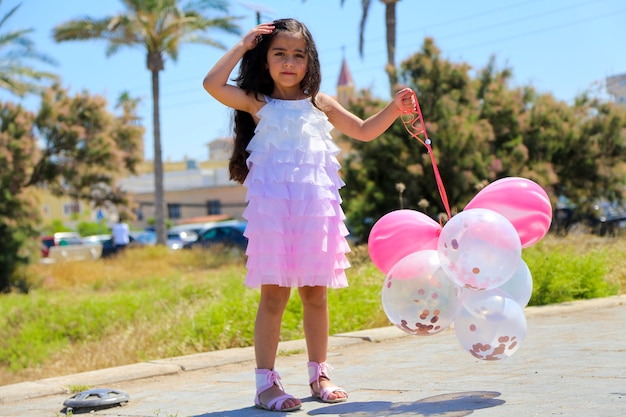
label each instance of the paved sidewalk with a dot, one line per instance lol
(572, 363)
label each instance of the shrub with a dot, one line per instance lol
(564, 274)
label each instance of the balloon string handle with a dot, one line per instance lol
(414, 125)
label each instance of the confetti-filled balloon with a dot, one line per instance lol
(479, 249)
(520, 285)
(417, 295)
(490, 325)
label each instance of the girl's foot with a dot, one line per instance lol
(270, 394)
(321, 386)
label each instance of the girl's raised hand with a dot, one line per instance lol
(252, 38)
(405, 101)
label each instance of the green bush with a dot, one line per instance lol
(565, 275)
(55, 226)
(92, 228)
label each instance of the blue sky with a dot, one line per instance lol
(559, 46)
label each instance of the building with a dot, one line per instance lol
(345, 85)
(71, 212)
(201, 188)
(616, 87)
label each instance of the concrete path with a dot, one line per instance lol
(572, 363)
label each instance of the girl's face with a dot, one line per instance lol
(287, 60)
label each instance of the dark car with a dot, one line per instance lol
(109, 249)
(227, 233)
(608, 217)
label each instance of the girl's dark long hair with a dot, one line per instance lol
(254, 77)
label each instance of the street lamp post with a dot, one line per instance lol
(400, 187)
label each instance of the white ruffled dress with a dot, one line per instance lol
(296, 231)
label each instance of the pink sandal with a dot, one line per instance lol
(265, 379)
(318, 371)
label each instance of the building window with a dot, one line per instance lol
(214, 207)
(138, 213)
(71, 208)
(173, 211)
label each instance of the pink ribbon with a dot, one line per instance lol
(414, 125)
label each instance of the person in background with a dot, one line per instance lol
(121, 234)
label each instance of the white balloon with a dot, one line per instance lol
(479, 249)
(490, 325)
(418, 297)
(520, 285)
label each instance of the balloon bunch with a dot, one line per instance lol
(468, 272)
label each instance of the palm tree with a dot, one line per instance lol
(16, 77)
(159, 26)
(390, 27)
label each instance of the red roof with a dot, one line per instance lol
(345, 77)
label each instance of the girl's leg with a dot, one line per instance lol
(267, 333)
(316, 328)
(267, 326)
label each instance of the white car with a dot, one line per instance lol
(178, 235)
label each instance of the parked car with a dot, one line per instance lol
(176, 240)
(95, 239)
(145, 238)
(608, 217)
(226, 233)
(178, 236)
(59, 239)
(106, 242)
(604, 217)
(67, 246)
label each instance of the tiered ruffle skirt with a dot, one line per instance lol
(296, 231)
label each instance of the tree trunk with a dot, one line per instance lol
(390, 24)
(159, 197)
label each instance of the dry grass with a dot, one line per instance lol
(144, 264)
(157, 284)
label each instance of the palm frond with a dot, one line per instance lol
(16, 76)
(8, 15)
(365, 7)
(20, 79)
(205, 5)
(82, 29)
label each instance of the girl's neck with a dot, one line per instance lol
(290, 94)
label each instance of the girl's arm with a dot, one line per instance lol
(374, 126)
(216, 80)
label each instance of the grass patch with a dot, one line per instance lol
(563, 273)
(151, 303)
(75, 389)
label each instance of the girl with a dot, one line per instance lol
(285, 156)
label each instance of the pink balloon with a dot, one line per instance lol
(400, 233)
(522, 201)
